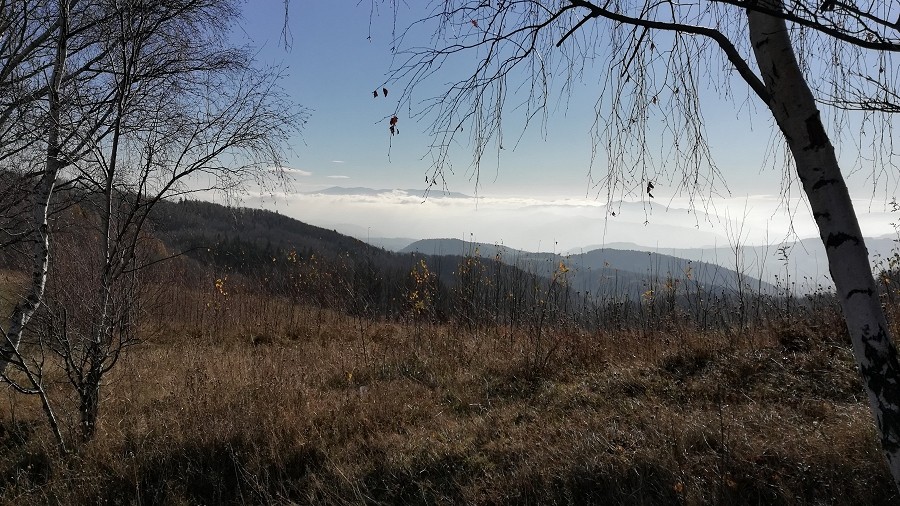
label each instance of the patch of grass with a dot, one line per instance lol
(326, 408)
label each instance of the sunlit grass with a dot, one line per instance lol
(241, 397)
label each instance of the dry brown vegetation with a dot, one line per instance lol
(240, 397)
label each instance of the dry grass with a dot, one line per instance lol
(293, 404)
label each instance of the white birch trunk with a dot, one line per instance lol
(30, 302)
(794, 108)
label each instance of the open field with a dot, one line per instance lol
(156, 349)
(229, 404)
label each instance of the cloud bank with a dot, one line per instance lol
(292, 171)
(559, 224)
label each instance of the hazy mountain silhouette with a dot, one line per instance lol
(598, 269)
(247, 240)
(801, 264)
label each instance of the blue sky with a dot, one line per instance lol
(340, 52)
(333, 68)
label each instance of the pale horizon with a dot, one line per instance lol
(559, 223)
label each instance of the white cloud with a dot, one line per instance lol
(338, 161)
(292, 171)
(338, 177)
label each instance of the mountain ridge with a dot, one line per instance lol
(596, 266)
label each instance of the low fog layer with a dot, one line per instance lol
(558, 225)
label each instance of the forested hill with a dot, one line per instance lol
(258, 243)
(255, 234)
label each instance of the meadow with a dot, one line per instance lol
(237, 393)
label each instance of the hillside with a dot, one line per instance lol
(369, 376)
(283, 256)
(607, 271)
(194, 224)
(248, 240)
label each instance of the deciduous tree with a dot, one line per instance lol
(145, 100)
(656, 56)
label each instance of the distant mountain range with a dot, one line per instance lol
(802, 263)
(605, 270)
(627, 266)
(246, 239)
(388, 221)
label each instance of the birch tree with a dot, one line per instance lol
(656, 56)
(37, 52)
(177, 115)
(165, 106)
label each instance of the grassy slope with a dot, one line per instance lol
(254, 400)
(248, 398)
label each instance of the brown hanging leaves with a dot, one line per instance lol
(393, 128)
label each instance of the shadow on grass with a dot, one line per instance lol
(229, 472)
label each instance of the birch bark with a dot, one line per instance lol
(795, 111)
(41, 200)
